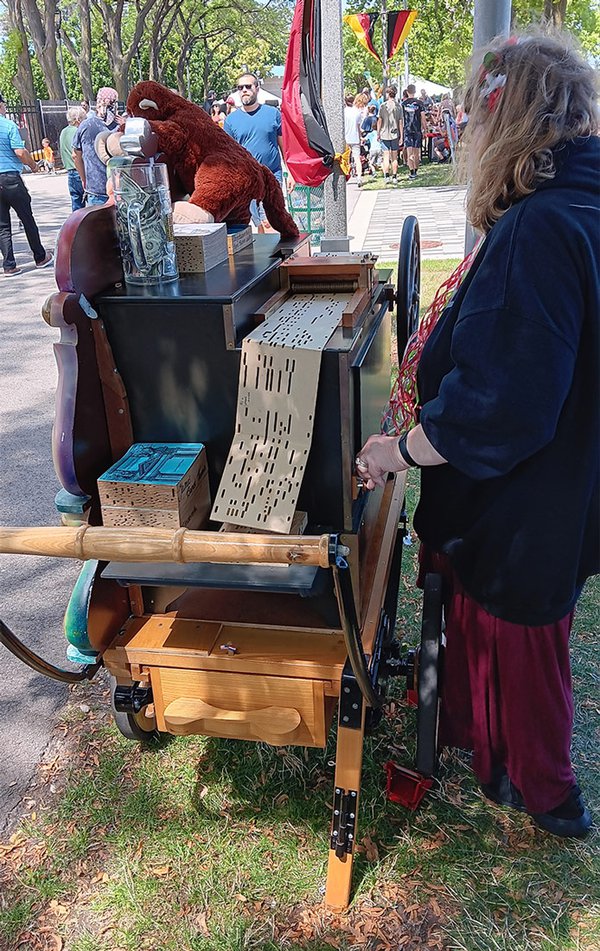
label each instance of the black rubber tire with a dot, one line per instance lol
(429, 676)
(133, 726)
(408, 287)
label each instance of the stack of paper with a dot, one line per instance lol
(200, 246)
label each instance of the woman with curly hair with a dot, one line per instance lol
(497, 403)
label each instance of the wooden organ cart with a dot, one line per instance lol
(243, 635)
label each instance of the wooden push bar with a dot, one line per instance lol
(166, 545)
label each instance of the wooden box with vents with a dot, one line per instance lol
(160, 485)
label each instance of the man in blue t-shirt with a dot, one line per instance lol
(14, 194)
(257, 127)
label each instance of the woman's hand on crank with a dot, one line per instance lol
(379, 455)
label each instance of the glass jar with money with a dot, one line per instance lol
(144, 220)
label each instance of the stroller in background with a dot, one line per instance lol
(370, 153)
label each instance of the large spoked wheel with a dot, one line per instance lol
(408, 290)
(429, 676)
(133, 726)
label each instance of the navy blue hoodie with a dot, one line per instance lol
(509, 388)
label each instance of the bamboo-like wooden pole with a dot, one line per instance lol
(166, 545)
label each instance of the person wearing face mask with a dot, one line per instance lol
(90, 167)
(257, 126)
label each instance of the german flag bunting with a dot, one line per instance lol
(362, 25)
(399, 26)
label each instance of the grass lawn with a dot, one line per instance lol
(430, 174)
(433, 272)
(198, 844)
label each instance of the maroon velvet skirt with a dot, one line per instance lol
(507, 694)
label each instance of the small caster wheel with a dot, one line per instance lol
(133, 726)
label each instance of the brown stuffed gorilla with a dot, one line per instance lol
(220, 176)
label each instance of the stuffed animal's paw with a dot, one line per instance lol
(184, 213)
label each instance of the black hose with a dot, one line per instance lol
(42, 666)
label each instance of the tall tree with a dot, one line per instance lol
(42, 30)
(124, 32)
(554, 12)
(79, 44)
(23, 80)
(162, 28)
(580, 17)
(206, 42)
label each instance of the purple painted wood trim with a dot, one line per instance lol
(88, 259)
(62, 431)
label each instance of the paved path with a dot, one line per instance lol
(33, 591)
(375, 221)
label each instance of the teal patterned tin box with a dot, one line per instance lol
(157, 485)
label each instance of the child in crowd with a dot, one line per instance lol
(374, 146)
(48, 156)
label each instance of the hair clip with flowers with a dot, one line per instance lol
(491, 83)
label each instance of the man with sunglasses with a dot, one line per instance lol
(257, 127)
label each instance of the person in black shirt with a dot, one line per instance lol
(370, 120)
(499, 398)
(415, 125)
(208, 102)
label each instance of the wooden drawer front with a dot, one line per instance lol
(277, 710)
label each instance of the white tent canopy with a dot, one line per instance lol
(432, 89)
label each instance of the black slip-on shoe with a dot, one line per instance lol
(504, 793)
(570, 820)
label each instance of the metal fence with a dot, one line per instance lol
(40, 119)
(28, 118)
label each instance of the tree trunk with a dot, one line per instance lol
(43, 35)
(181, 83)
(84, 63)
(206, 67)
(554, 12)
(121, 76)
(23, 80)
(120, 62)
(83, 56)
(165, 18)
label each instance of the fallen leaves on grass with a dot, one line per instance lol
(201, 924)
(42, 940)
(369, 848)
(398, 918)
